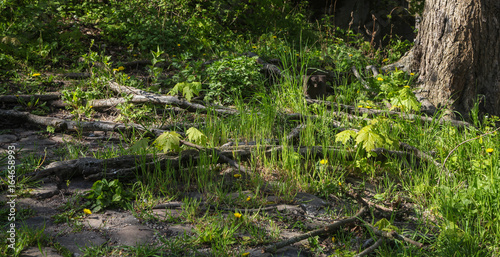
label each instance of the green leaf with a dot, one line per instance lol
(344, 136)
(139, 146)
(196, 136)
(168, 141)
(369, 138)
(384, 225)
(406, 100)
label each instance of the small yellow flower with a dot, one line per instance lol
(340, 184)
(178, 44)
(237, 175)
(350, 55)
(121, 68)
(245, 254)
(91, 107)
(360, 106)
(407, 86)
(254, 47)
(323, 162)
(204, 54)
(297, 54)
(128, 77)
(249, 198)
(87, 211)
(357, 92)
(237, 215)
(116, 70)
(333, 239)
(135, 54)
(274, 36)
(385, 60)
(380, 79)
(173, 56)
(36, 74)
(368, 107)
(411, 74)
(489, 150)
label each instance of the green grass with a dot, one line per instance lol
(458, 205)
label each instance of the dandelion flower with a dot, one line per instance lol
(237, 175)
(178, 44)
(87, 211)
(385, 60)
(411, 74)
(360, 106)
(407, 86)
(333, 239)
(368, 107)
(245, 254)
(128, 77)
(489, 150)
(116, 70)
(173, 56)
(380, 79)
(340, 184)
(274, 36)
(323, 162)
(254, 47)
(249, 198)
(121, 68)
(91, 107)
(350, 55)
(237, 215)
(36, 74)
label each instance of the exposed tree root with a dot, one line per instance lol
(325, 230)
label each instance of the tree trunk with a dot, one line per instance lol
(457, 53)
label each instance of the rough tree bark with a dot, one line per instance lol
(457, 54)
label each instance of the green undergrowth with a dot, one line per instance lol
(197, 53)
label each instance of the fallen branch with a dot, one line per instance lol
(371, 248)
(141, 96)
(74, 126)
(356, 74)
(29, 98)
(393, 235)
(374, 113)
(327, 229)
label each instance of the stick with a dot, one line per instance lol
(328, 229)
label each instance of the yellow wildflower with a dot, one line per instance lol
(135, 54)
(407, 86)
(237, 215)
(173, 56)
(368, 107)
(178, 44)
(128, 77)
(360, 106)
(385, 60)
(254, 47)
(333, 239)
(116, 70)
(87, 211)
(204, 54)
(274, 36)
(245, 254)
(121, 68)
(380, 79)
(340, 184)
(249, 198)
(36, 74)
(91, 107)
(411, 74)
(237, 175)
(489, 150)
(350, 55)
(323, 162)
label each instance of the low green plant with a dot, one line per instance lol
(233, 77)
(105, 194)
(188, 89)
(34, 106)
(77, 100)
